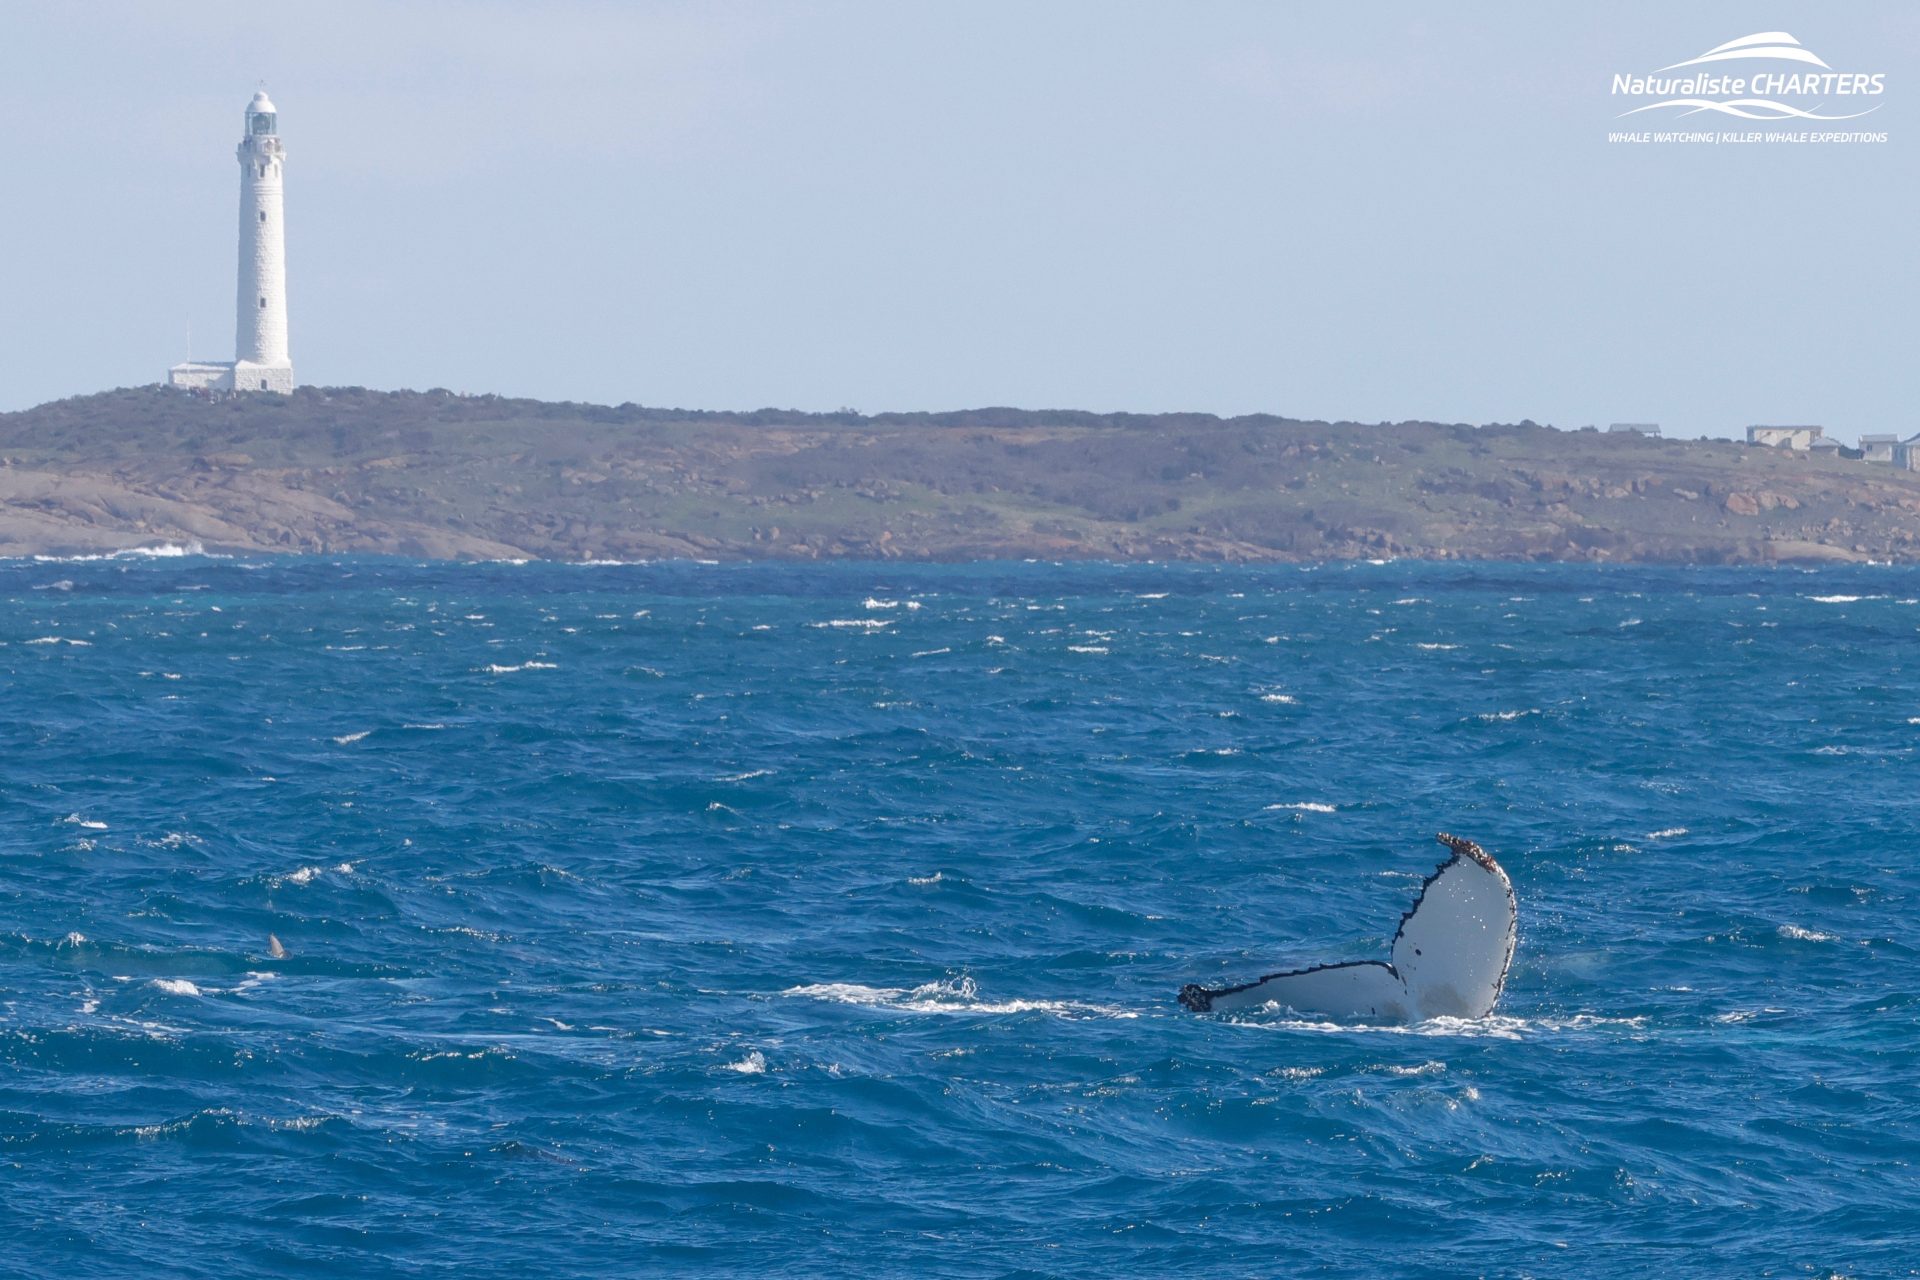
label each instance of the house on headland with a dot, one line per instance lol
(1800, 438)
(1641, 428)
(1879, 447)
(1906, 454)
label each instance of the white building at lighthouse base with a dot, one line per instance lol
(231, 375)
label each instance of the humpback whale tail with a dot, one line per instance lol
(1449, 956)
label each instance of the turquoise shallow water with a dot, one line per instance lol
(710, 920)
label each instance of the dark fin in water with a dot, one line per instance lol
(274, 948)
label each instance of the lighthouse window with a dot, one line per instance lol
(263, 302)
(263, 215)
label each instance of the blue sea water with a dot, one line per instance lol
(709, 920)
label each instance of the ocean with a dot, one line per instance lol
(705, 919)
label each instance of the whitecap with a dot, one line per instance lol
(948, 996)
(754, 1064)
(74, 819)
(1799, 934)
(496, 669)
(742, 777)
(1438, 647)
(345, 738)
(1284, 699)
(1666, 833)
(935, 878)
(163, 551)
(862, 624)
(176, 986)
(1491, 717)
(1306, 806)
(1087, 648)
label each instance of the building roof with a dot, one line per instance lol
(1825, 442)
(1880, 438)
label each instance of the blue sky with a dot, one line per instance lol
(1356, 211)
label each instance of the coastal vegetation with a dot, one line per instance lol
(453, 476)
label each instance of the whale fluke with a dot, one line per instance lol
(274, 948)
(1449, 957)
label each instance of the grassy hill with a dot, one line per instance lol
(434, 474)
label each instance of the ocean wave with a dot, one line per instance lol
(1799, 934)
(754, 1064)
(160, 551)
(1495, 1027)
(951, 995)
(307, 875)
(498, 669)
(1306, 806)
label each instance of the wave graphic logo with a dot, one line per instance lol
(1766, 44)
(1759, 93)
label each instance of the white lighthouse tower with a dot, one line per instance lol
(260, 361)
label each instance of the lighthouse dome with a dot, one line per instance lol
(261, 104)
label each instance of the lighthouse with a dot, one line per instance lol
(260, 360)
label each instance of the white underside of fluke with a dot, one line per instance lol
(1449, 957)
